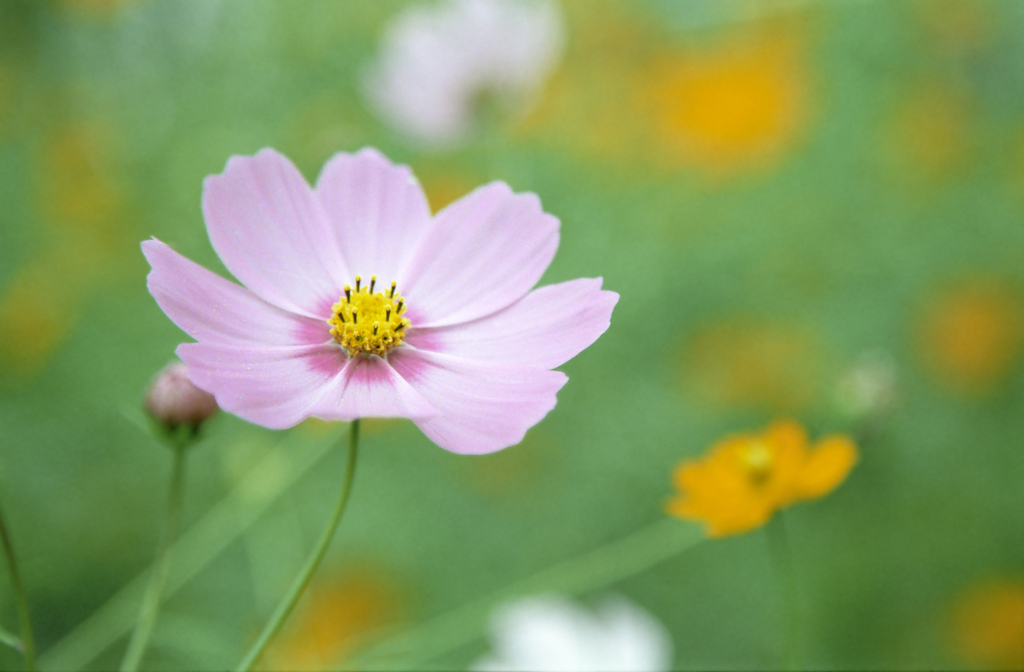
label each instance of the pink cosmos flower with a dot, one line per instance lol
(358, 303)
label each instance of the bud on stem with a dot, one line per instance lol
(174, 402)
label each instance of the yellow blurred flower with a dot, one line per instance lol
(589, 105)
(744, 362)
(333, 620)
(730, 107)
(988, 625)
(80, 205)
(955, 27)
(37, 312)
(931, 133)
(445, 187)
(503, 477)
(77, 187)
(6, 91)
(94, 8)
(747, 477)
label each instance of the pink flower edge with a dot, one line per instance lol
(474, 370)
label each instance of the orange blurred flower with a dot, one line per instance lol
(747, 477)
(988, 625)
(972, 337)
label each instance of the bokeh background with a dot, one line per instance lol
(810, 209)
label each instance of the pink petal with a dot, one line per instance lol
(377, 209)
(485, 407)
(271, 386)
(269, 229)
(483, 253)
(214, 310)
(370, 388)
(548, 327)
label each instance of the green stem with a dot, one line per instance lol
(319, 551)
(10, 639)
(205, 541)
(21, 601)
(608, 564)
(782, 556)
(161, 568)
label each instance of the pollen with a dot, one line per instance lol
(757, 461)
(366, 322)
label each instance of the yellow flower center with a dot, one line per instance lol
(369, 323)
(757, 460)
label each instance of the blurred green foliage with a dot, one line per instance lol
(776, 190)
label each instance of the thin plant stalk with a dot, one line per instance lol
(161, 568)
(607, 564)
(782, 557)
(8, 638)
(28, 648)
(287, 604)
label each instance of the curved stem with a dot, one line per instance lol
(610, 563)
(161, 569)
(10, 639)
(319, 551)
(782, 556)
(21, 602)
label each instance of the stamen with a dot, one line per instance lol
(758, 461)
(382, 327)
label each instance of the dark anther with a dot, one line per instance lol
(355, 316)
(341, 316)
(348, 293)
(358, 280)
(375, 328)
(393, 285)
(387, 314)
(373, 281)
(398, 308)
(400, 327)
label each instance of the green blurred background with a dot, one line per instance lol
(786, 195)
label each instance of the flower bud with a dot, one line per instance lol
(173, 400)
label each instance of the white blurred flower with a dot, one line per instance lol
(552, 633)
(867, 390)
(438, 63)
